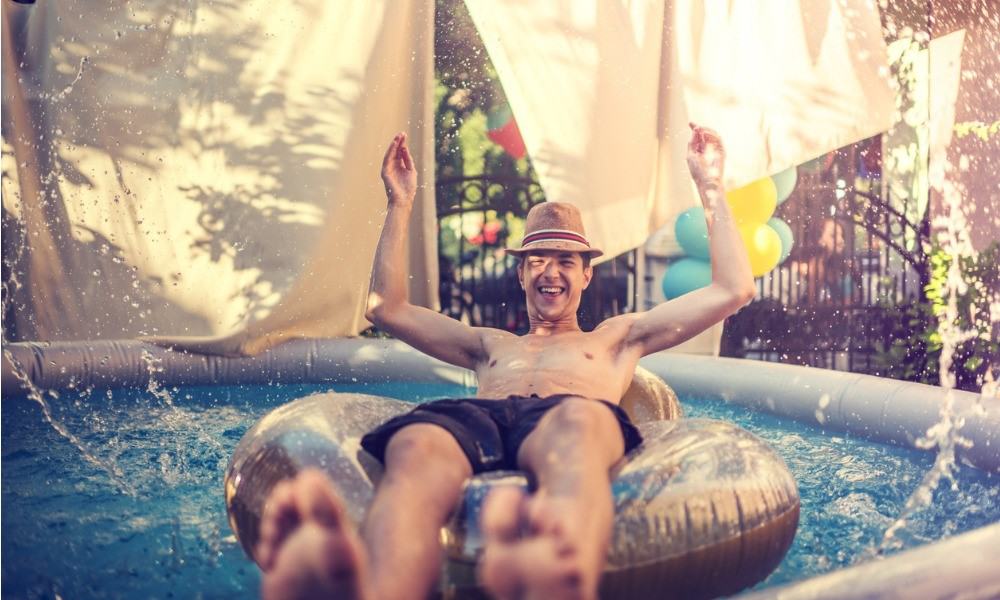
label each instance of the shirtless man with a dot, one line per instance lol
(546, 404)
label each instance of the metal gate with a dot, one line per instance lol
(856, 258)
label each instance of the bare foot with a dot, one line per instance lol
(308, 548)
(528, 551)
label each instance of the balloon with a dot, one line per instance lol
(753, 203)
(686, 275)
(784, 183)
(785, 233)
(763, 245)
(692, 232)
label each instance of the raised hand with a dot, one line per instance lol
(398, 173)
(706, 157)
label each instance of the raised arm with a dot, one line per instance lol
(388, 300)
(732, 280)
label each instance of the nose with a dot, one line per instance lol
(551, 270)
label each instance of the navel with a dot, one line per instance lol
(589, 355)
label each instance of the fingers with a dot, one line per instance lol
(390, 152)
(397, 151)
(407, 159)
(697, 141)
(701, 137)
(710, 136)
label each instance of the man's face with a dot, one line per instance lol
(553, 281)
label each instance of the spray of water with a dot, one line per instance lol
(115, 473)
(179, 420)
(945, 435)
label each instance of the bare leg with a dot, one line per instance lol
(425, 470)
(308, 548)
(553, 545)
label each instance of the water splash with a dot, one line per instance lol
(946, 434)
(66, 91)
(115, 473)
(179, 419)
(946, 437)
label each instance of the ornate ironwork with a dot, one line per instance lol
(856, 257)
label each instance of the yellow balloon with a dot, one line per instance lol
(763, 244)
(753, 203)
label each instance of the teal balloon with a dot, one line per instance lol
(686, 275)
(784, 182)
(692, 232)
(785, 234)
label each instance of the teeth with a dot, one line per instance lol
(550, 290)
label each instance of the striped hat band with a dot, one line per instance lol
(554, 235)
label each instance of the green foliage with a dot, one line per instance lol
(913, 343)
(467, 89)
(983, 131)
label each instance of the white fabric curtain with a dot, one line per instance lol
(603, 91)
(198, 169)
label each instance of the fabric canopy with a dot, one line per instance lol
(603, 92)
(209, 168)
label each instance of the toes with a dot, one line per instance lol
(501, 515)
(317, 500)
(281, 517)
(541, 517)
(308, 497)
(544, 519)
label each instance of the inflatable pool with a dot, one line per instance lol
(878, 409)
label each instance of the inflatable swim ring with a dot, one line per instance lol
(703, 508)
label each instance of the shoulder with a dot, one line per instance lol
(489, 337)
(490, 333)
(621, 323)
(616, 330)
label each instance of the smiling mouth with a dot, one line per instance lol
(551, 290)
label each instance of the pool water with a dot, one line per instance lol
(148, 519)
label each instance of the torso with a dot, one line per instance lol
(592, 364)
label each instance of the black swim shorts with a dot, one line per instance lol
(490, 432)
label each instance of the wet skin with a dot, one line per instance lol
(552, 544)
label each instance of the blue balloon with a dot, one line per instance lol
(785, 182)
(692, 232)
(686, 275)
(785, 233)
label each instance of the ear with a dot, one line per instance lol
(588, 274)
(520, 273)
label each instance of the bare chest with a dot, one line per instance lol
(582, 364)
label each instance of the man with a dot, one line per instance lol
(546, 404)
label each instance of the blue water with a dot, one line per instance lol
(71, 529)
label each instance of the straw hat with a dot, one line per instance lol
(554, 226)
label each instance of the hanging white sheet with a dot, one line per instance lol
(203, 168)
(603, 91)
